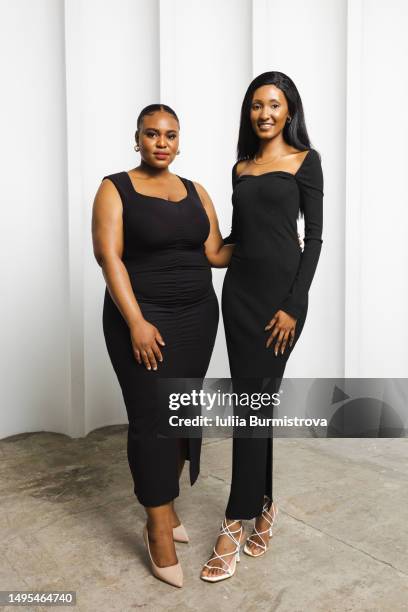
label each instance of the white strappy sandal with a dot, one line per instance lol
(228, 567)
(269, 514)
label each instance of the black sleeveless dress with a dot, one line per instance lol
(268, 272)
(172, 281)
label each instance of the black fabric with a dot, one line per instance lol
(172, 281)
(268, 271)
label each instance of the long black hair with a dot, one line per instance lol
(294, 133)
(153, 108)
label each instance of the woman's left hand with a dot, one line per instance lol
(283, 326)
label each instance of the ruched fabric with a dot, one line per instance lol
(172, 281)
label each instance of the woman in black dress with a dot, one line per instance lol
(277, 177)
(160, 315)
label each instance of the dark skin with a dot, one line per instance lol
(158, 142)
(269, 113)
(158, 139)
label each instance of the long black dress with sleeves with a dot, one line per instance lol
(268, 272)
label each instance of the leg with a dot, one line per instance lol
(160, 531)
(153, 487)
(222, 563)
(262, 521)
(251, 471)
(182, 453)
(252, 451)
(251, 484)
(257, 544)
(251, 477)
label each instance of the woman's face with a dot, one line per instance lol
(269, 111)
(158, 139)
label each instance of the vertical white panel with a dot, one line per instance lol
(261, 37)
(119, 50)
(67, 121)
(206, 61)
(384, 245)
(75, 280)
(169, 43)
(353, 221)
(34, 304)
(307, 41)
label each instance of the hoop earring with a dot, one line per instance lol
(289, 120)
(136, 148)
(178, 152)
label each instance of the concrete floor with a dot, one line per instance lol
(69, 521)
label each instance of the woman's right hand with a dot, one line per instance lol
(145, 343)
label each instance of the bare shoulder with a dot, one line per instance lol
(309, 158)
(107, 199)
(107, 187)
(205, 199)
(297, 155)
(297, 158)
(240, 167)
(202, 192)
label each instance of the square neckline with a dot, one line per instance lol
(294, 174)
(145, 195)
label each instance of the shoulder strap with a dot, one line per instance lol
(122, 182)
(187, 184)
(119, 179)
(192, 190)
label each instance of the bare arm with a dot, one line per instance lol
(107, 237)
(217, 253)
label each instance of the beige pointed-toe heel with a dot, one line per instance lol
(180, 534)
(173, 574)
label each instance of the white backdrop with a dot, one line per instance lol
(75, 76)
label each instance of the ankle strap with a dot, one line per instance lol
(225, 530)
(265, 511)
